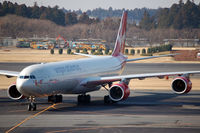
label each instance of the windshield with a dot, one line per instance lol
(27, 77)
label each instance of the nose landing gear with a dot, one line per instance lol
(32, 104)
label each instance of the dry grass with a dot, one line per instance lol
(32, 55)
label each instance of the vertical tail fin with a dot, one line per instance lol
(121, 37)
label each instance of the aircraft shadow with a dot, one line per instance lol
(140, 99)
(151, 99)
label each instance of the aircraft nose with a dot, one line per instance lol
(24, 87)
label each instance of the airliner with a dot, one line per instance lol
(85, 75)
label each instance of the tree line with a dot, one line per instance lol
(67, 17)
(135, 15)
(16, 26)
(84, 27)
(178, 16)
(54, 14)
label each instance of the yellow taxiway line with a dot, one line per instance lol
(30, 117)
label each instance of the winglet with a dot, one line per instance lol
(120, 41)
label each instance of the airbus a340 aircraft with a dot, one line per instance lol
(86, 75)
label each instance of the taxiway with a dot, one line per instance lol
(144, 111)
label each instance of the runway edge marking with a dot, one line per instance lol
(30, 117)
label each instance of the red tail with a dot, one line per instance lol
(120, 41)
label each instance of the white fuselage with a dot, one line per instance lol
(66, 77)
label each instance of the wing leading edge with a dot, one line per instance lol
(9, 73)
(104, 80)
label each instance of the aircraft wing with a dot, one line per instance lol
(150, 57)
(9, 73)
(87, 55)
(104, 80)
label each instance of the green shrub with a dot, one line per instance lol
(126, 51)
(106, 51)
(85, 51)
(132, 51)
(153, 50)
(77, 50)
(69, 51)
(99, 50)
(60, 51)
(149, 50)
(169, 47)
(161, 48)
(143, 51)
(92, 51)
(52, 51)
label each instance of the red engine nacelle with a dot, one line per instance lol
(181, 85)
(119, 92)
(14, 94)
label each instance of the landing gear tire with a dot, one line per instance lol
(55, 98)
(83, 99)
(32, 106)
(107, 100)
(29, 107)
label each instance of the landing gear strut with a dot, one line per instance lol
(83, 99)
(107, 99)
(32, 104)
(55, 98)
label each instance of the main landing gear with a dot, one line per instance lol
(83, 99)
(32, 104)
(55, 98)
(107, 99)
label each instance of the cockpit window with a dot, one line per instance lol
(27, 77)
(32, 77)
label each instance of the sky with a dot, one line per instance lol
(105, 4)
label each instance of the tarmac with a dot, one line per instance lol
(144, 111)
